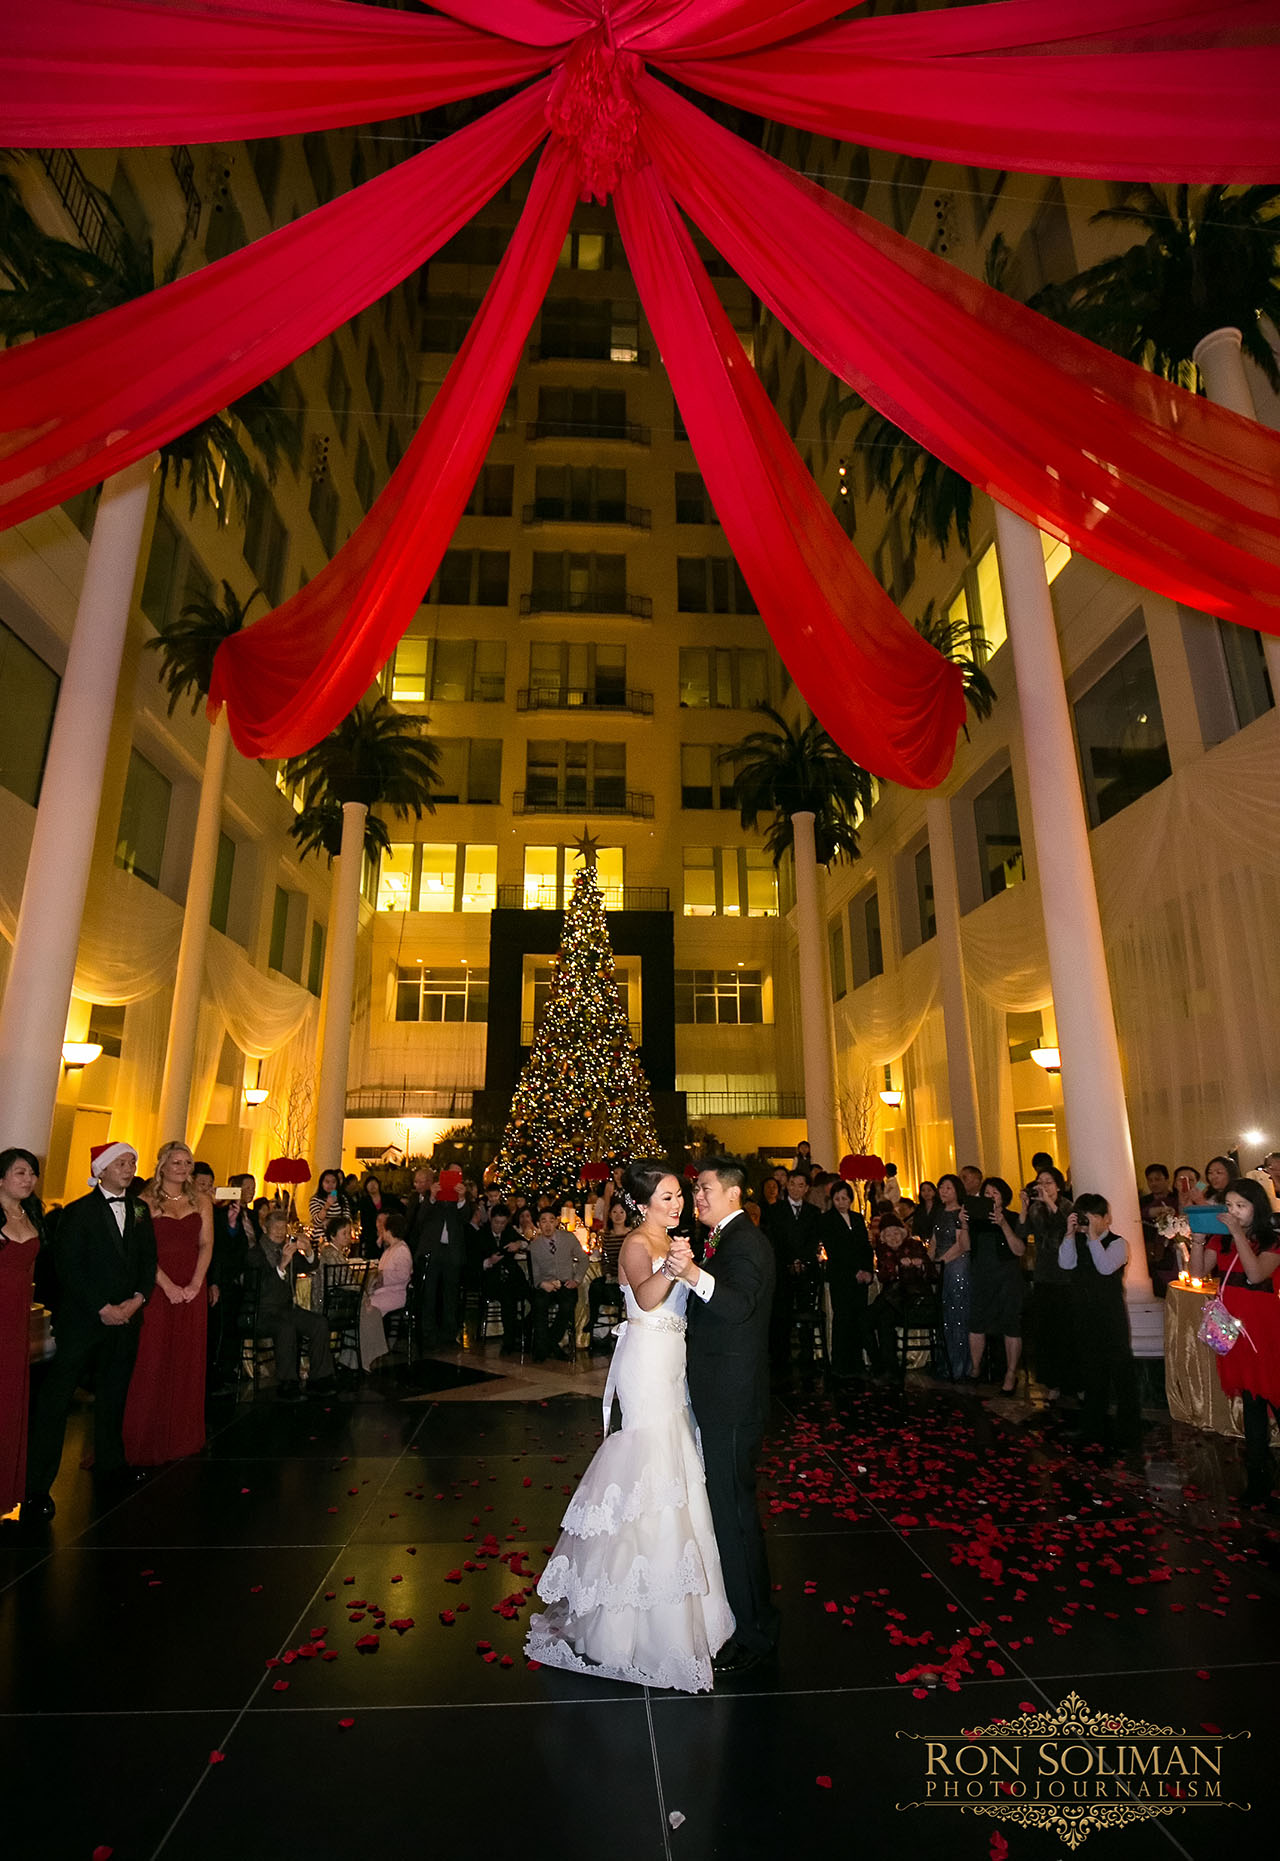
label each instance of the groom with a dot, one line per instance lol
(728, 1366)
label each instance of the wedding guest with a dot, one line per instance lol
(751, 1209)
(1187, 1186)
(906, 1275)
(329, 1199)
(416, 1206)
(441, 1251)
(526, 1224)
(1219, 1174)
(21, 1234)
(164, 1413)
(949, 1250)
(371, 1204)
(1045, 1211)
(105, 1252)
(390, 1288)
(1096, 1257)
(926, 1211)
(351, 1189)
(1251, 1368)
(850, 1270)
(557, 1264)
(792, 1228)
(804, 1158)
(971, 1177)
(769, 1194)
(335, 1249)
(1160, 1193)
(269, 1283)
(820, 1191)
(616, 1229)
(995, 1281)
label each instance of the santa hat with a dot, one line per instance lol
(102, 1156)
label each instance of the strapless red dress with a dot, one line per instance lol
(164, 1415)
(17, 1265)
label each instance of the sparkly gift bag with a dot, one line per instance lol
(1219, 1328)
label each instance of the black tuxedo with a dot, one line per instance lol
(277, 1317)
(795, 1237)
(97, 1265)
(728, 1367)
(441, 1255)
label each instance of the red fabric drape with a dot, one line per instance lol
(130, 73)
(888, 699)
(288, 679)
(1144, 116)
(1153, 483)
(87, 401)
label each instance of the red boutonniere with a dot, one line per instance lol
(713, 1241)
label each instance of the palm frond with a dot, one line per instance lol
(188, 643)
(961, 643)
(375, 755)
(780, 771)
(317, 828)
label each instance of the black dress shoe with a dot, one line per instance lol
(322, 1386)
(736, 1660)
(290, 1392)
(37, 1510)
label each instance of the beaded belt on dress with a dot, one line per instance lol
(659, 1321)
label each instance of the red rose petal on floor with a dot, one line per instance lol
(368, 1644)
(280, 1686)
(823, 1783)
(217, 1757)
(1202, 1673)
(406, 1621)
(102, 1852)
(397, 1579)
(1024, 1705)
(330, 1654)
(919, 1692)
(345, 1725)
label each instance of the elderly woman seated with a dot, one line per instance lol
(389, 1290)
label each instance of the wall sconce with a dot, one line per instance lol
(891, 1098)
(257, 1093)
(1049, 1059)
(80, 1053)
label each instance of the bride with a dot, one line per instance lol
(634, 1586)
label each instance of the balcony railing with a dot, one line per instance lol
(626, 432)
(405, 1101)
(744, 1104)
(549, 897)
(82, 204)
(571, 601)
(601, 800)
(583, 698)
(587, 349)
(529, 1029)
(585, 510)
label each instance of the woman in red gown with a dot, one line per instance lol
(19, 1245)
(164, 1415)
(1251, 1368)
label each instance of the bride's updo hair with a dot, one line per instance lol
(639, 1180)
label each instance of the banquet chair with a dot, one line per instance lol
(809, 1323)
(254, 1347)
(343, 1291)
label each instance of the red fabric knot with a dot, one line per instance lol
(593, 109)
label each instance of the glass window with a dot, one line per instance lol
(451, 770)
(835, 941)
(730, 882)
(866, 950)
(696, 786)
(1120, 730)
(430, 994)
(699, 882)
(489, 684)
(439, 866)
(762, 884)
(492, 574)
(451, 671)
(926, 917)
(695, 677)
(409, 672)
(315, 962)
(279, 929)
(724, 996)
(224, 873)
(995, 817)
(395, 879)
(692, 502)
(1056, 556)
(144, 820)
(31, 697)
(541, 878)
(609, 871)
(479, 878)
(991, 618)
(484, 775)
(1247, 674)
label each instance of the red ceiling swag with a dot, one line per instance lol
(118, 72)
(1152, 482)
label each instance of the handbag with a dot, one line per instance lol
(1219, 1328)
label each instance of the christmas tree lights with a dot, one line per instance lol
(583, 1094)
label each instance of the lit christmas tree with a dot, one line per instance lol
(583, 1096)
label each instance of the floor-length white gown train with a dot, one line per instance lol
(633, 1588)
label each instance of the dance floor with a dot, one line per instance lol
(309, 1640)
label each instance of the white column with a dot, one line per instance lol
(815, 1009)
(1221, 364)
(175, 1089)
(961, 1078)
(339, 985)
(34, 1016)
(1092, 1082)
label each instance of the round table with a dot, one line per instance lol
(1193, 1388)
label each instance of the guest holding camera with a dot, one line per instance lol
(850, 1271)
(996, 1284)
(949, 1250)
(1046, 1209)
(1096, 1258)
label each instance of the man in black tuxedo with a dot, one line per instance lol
(417, 1206)
(794, 1229)
(441, 1250)
(269, 1293)
(728, 1368)
(105, 1256)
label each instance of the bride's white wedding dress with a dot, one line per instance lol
(634, 1586)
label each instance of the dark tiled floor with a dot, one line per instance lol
(136, 1641)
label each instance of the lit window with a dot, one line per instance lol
(395, 880)
(991, 618)
(409, 678)
(480, 878)
(1120, 729)
(439, 867)
(1056, 556)
(430, 994)
(719, 997)
(995, 817)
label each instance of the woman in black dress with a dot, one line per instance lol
(995, 1281)
(850, 1269)
(949, 1249)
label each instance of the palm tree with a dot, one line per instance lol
(814, 797)
(187, 645)
(375, 756)
(960, 642)
(53, 283)
(1210, 259)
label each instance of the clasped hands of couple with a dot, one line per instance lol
(680, 1262)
